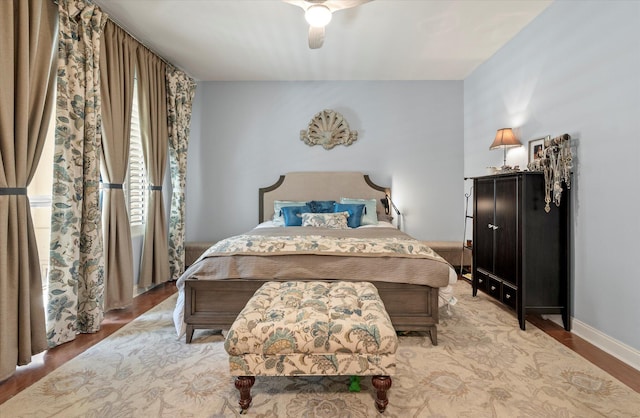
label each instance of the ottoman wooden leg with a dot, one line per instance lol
(382, 384)
(243, 384)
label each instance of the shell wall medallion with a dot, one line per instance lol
(328, 128)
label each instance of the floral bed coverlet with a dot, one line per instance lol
(299, 253)
(321, 244)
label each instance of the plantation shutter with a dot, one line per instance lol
(137, 176)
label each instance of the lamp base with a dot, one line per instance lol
(508, 169)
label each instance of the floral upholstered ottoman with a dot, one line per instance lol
(313, 328)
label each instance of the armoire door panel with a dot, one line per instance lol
(483, 222)
(506, 233)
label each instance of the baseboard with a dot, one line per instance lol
(619, 350)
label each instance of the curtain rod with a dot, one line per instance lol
(140, 42)
(121, 26)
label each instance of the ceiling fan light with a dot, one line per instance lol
(318, 15)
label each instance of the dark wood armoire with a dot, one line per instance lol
(521, 252)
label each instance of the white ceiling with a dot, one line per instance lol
(379, 40)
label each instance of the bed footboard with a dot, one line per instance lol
(215, 304)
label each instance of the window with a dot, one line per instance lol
(39, 191)
(137, 176)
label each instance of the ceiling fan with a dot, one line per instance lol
(318, 14)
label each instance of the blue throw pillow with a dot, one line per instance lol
(370, 216)
(321, 206)
(354, 210)
(291, 215)
(278, 218)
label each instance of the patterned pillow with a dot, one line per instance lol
(321, 206)
(326, 220)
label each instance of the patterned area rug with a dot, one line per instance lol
(484, 366)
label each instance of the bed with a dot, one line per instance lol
(412, 280)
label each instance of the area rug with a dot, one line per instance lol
(484, 366)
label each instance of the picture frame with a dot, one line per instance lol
(535, 145)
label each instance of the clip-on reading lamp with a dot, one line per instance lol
(387, 203)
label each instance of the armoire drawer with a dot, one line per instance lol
(481, 281)
(509, 295)
(494, 288)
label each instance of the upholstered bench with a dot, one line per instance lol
(194, 249)
(452, 251)
(313, 329)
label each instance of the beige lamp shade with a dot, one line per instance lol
(505, 138)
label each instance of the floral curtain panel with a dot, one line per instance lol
(180, 91)
(27, 71)
(76, 276)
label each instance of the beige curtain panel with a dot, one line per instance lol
(27, 36)
(117, 68)
(154, 268)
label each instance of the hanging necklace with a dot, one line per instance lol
(556, 164)
(548, 177)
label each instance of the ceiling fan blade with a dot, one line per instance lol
(335, 5)
(299, 3)
(332, 5)
(316, 37)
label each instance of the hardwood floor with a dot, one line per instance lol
(616, 368)
(52, 359)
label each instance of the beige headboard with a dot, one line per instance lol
(319, 185)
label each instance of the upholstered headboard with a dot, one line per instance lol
(319, 185)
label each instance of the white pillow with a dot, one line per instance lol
(369, 216)
(336, 220)
(278, 219)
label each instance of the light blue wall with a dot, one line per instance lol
(245, 134)
(576, 69)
